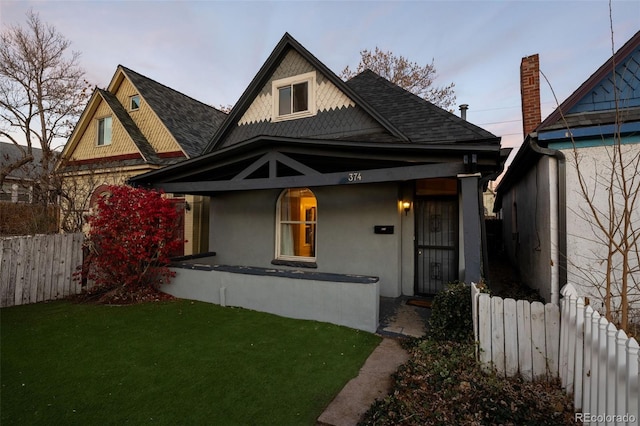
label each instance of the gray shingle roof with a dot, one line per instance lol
(10, 154)
(191, 122)
(421, 121)
(344, 123)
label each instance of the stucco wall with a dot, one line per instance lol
(528, 229)
(242, 232)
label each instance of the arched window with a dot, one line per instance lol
(296, 222)
(99, 192)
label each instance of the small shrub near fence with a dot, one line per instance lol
(39, 268)
(450, 317)
(27, 218)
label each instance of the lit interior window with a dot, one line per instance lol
(297, 224)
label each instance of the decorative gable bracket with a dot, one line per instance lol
(271, 160)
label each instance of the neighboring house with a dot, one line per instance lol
(134, 126)
(353, 184)
(28, 205)
(546, 232)
(18, 186)
(488, 200)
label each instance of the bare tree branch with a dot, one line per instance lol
(417, 79)
(42, 92)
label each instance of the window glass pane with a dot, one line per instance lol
(100, 132)
(107, 130)
(300, 97)
(104, 131)
(310, 239)
(297, 239)
(135, 102)
(284, 100)
(287, 209)
(287, 240)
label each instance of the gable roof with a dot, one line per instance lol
(191, 122)
(627, 69)
(375, 126)
(286, 43)
(397, 115)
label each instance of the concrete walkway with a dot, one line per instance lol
(397, 320)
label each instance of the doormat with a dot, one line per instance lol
(423, 303)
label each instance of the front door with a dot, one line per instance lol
(436, 243)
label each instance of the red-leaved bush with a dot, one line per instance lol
(132, 231)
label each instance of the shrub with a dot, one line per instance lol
(451, 314)
(131, 234)
(27, 218)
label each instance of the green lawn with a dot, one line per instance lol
(177, 362)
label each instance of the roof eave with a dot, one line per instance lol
(262, 142)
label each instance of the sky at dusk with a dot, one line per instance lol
(210, 50)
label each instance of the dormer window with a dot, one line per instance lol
(134, 103)
(294, 97)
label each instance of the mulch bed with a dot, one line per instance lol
(121, 296)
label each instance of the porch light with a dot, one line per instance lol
(407, 206)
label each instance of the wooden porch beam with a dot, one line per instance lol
(254, 166)
(296, 165)
(392, 174)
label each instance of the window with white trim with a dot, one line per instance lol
(104, 131)
(134, 103)
(296, 225)
(294, 97)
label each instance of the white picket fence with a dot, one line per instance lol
(516, 336)
(39, 268)
(595, 362)
(599, 363)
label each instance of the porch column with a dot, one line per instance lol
(471, 234)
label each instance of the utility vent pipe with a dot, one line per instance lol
(463, 111)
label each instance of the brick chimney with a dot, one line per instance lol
(530, 93)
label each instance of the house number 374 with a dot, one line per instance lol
(354, 177)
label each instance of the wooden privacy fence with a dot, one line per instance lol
(599, 363)
(516, 336)
(38, 268)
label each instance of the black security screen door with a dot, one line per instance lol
(436, 243)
